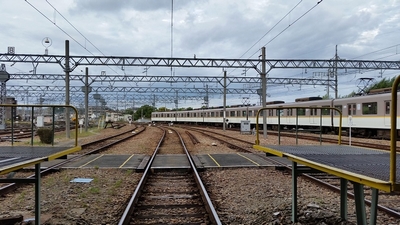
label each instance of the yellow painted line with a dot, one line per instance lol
(215, 161)
(92, 160)
(126, 161)
(249, 159)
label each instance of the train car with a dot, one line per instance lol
(367, 116)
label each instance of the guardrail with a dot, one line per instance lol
(32, 108)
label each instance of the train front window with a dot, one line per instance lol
(370, 108)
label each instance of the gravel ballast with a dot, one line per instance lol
(240, 195)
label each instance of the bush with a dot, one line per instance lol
(45, 135)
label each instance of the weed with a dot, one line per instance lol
(94, 190)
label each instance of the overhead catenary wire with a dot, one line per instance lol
(276, 24)
(282, 30)
(65, 32)
(75, 28)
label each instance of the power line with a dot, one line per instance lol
(65, 32)
(271, 29)
(292, 24)
(57, 26)
(75, 28)
(283, 29)
(378, 51)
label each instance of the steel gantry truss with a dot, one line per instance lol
(76, 61)
(78, 97)
(113, 88)
(170, 79)
(72, 62)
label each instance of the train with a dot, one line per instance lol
(366, 115)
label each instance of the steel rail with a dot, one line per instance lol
(12, 186)
(206, 199)
(125, 218)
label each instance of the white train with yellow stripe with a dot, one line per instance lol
(368, 115)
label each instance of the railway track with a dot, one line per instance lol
(87, 149)
(170, 195)
(390, 203)
(316, 138)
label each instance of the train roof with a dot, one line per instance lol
(307, 99)
(380, 91)
(274, 102)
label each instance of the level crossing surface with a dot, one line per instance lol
(202, 161)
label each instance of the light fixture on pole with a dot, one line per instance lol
(46, 42)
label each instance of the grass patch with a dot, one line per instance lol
(94, 190)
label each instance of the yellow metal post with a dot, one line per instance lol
(393, 131)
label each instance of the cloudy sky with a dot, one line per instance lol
(233, 29)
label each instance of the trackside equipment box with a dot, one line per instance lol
(245, 126)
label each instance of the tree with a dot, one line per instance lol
(128, 111)
(384, 83)
(144, 111)
(162, 109)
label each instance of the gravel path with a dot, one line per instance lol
(241, 195)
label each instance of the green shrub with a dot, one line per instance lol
(45, 135)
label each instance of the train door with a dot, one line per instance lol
(313, 119)
(270, 115)
(386, 115)
(351, 111)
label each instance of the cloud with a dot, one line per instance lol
(208, 29)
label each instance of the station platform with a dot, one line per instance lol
(16, 157)
(13, 158)
(139, 161)
(361, 166)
